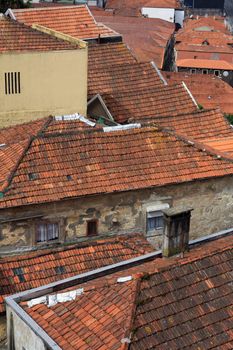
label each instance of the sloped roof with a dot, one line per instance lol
(199, 125)
(16, 36)
(76, 21)
(34, 269)
(122, 77)
(146, 37)
(75, 164)
(106, 55)
(202, 63)
(176, 303)
(116, 4)
(195, 40)
(223, 145)
(15, 140)
(208, 90)
(144, 103)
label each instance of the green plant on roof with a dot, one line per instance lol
(229, 118)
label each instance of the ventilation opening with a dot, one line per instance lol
(12, 83)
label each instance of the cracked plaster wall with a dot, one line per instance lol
(122, 213)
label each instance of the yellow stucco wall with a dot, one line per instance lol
(52, 83)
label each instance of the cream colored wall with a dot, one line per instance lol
(24, 336)
(53, 82)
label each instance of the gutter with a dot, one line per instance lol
(13, 300)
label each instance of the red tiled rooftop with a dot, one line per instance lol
(208, 90)
(122, 77)
(146, 37)
(201, 63)
(116, 4)
(15, 140)
(145, 103)
(31, 270)
(104, 56)
(199, 125)
(75, 21)
(16, 36)
(106, 162)
(176, 303)
(222, 145)
(205, 38)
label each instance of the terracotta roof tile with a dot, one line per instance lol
(200, 125)
(201, 63)
(76, 21)
(16, 36)
(205, 39)
(208, 90)
(147, 37)
(116, 4)
(144, 103)
(122, 77)
(106, 162)
(167, 304)
(35, 269)
(107, 55)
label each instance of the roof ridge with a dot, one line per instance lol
(10, 177)
(201, 146)
(189, 260)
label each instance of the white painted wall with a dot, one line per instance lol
(179, 17)
(24, 336)
(162, 13)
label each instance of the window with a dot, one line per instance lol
(92, 228)
(12, 83)
(204, 71)
(193, 71)
(217, 73)
(47, 231)
(154, 218)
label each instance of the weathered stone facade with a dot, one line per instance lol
(2, 331)
(212, 201)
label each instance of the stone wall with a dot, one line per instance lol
(123, 213)
(2, 331)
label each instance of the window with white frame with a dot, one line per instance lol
(47, 231)
(154, 218)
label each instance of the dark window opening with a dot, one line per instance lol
(154, 221)
(47, 232)
(204, 71)
(92, 228)
(217, 73)
(12, 83)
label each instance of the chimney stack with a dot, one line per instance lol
(176, 231)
